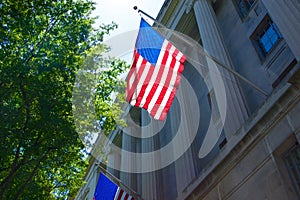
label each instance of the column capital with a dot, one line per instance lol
(189, 6)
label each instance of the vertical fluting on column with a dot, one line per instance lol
(127, 178)
(114, 158)
(184, 166)
(213, 44)
(125, 161)
(286, 15)
(149, 181)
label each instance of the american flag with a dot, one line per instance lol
(122, 195)
(108, 190)
(155, 72)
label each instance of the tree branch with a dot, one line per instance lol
(21, 190)
(14, 168)
(26, 107)
(32, 174)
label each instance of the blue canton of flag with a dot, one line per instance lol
(107, 190)
(155, 72)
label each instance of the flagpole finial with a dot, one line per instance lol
(135, 7)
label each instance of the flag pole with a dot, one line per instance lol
(140, 11)
(239, 76)
(119, 182)
(236, 74)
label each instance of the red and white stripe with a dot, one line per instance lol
(154, 87)
(122, 195)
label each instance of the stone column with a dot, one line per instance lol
(213, 44)
(114, 158)
(127, 178)
(149, 180)
(286, 15)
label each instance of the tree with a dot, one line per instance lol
(43, 44)
(99, 96)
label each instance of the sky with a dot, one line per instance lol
(122, 12)
(122, 39)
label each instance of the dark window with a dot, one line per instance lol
(284, 73)
(266, 36)
(245, 6)
(292, 162)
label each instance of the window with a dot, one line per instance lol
(292, 162)
(244, 6)
(269, 37)
(266, 36)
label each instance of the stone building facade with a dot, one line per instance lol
(256, 152)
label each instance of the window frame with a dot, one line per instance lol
(244, 7)
(263, 30)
